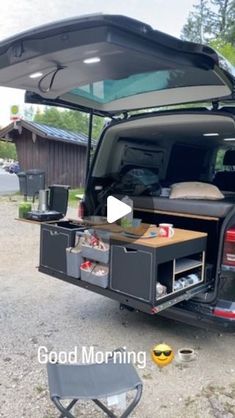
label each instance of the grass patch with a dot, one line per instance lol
(17, 197)
(72, 195)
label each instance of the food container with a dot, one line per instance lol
(24, 208)
(73, 261)
(183, 281)
(136, 222)
(90, 273)
(192, 279)
(161, 290)
(103, 235)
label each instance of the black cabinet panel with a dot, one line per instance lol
(131, 271)
(55, 238)
(53, 253)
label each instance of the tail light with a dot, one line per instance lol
(81, 209)
(224, 313)
(229, 248)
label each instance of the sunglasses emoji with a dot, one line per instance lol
(162, 354)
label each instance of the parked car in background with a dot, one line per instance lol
(14, 168)
(6, 164)
(11, 166)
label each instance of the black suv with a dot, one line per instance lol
(169, 106)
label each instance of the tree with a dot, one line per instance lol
(222, 20)
(211, 20)
(220, 159)
(198, 27)
(29, 112)
(226, 49)
(70, 120)
(7, 150)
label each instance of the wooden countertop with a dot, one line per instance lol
(181, 235)
(180, 214)
(112, 228)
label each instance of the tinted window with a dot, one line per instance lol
(186, 164)
(139, 181)
(109, 90)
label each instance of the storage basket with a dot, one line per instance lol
(95, 254)
(91, 277)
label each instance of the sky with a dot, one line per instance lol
(165, 15)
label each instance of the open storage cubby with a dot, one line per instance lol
(181, 274)
(165, 275)
(185, 264)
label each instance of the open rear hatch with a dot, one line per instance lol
(110, 64)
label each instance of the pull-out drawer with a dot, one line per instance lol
(55, 238)
(131, 271)
(161, 275)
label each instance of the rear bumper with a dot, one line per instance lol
(221, 316)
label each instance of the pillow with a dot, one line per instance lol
(195, 190)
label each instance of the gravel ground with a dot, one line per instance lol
(39, 310)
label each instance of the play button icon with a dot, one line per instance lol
(116, 209)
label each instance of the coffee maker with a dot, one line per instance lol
(52, 204)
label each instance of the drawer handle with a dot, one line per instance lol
(129, 250)
(53, 233)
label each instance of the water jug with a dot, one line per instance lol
(127, 220)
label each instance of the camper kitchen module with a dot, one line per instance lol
(148, 274)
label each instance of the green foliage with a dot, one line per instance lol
(224, 48)
(7, 150)
(211, 20)
(73, 200)
(219, 160)
(198, 27)
(70, 120)
(221, 18)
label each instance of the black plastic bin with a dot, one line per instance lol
(55, 238)
(31, 182)
(22, 183)
(35, 180)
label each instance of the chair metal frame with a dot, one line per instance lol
(65, 410)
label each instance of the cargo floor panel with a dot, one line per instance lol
(210, 209)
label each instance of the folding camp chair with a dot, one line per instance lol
(91, 382)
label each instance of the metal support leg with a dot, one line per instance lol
(69, 407)
(104, 408)
(64, 411)
(133, 404)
